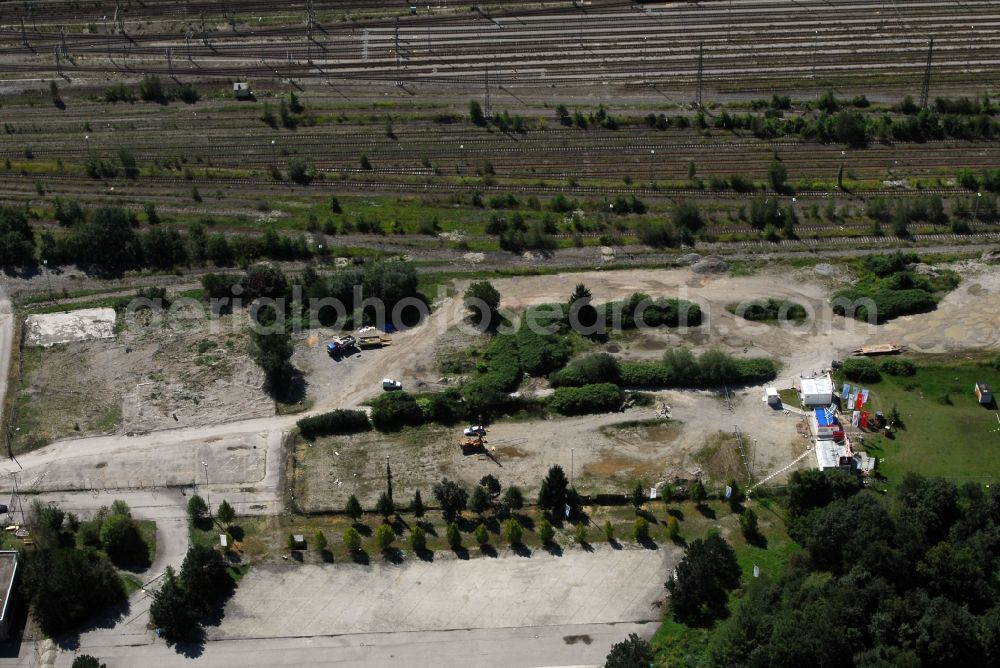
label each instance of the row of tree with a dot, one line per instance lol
(108, 239)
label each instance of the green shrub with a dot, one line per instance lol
(897, 367)
(765, 310)
(596, 368)
(597, 398)
(394, 410)
(681, 369)
(539, 353)
(641, 308)
(335, 422)
(644, 374)
(442, 407)
(861, 369)
(887, 303)
(755, 370)
(885, 265)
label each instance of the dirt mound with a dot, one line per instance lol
(713, 264)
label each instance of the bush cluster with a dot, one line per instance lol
(887, 289)
(596, 368)
(862, 370)
(680, 368)
(640, 308)
(335, 422)
(765, 310)
(897, 367)
(394, 410)
(596, 398)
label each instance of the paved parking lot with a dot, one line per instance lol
(509, 591)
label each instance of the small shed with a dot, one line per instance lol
(816, 391)
(771, 396)
(825, 424)
(241, 91)
(983, 393)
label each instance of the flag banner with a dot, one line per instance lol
(855, 418)
(846, 392)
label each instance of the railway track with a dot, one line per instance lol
(359, 185)
(613, 41)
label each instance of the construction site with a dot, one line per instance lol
(787, 212)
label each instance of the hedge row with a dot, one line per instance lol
(655, 374)
(597, 398)
(335, 422)
(861, 369)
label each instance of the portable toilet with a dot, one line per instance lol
(771, 395)
(983, 393)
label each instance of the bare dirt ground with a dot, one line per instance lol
(606, 453)
(967, 319)
(607, 459)
(143, 380)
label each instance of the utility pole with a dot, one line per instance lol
(208, 492)
(364, 45)
(926, 88)
(701, 49)
(310, 16)
(170, 63)
(119, 17)
(62, 37)
(56, 50)
(399, 81)
(486, 78)
(310, 22)
(24, 34)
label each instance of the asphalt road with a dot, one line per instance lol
(573, 645)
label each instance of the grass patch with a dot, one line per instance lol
(147, 529)
(296, 408)
(675, 644)
(789, 397)
(941, 438)
(131, 583)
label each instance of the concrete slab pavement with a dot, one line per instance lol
(541, 590)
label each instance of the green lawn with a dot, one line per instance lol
(947, 433)
(147, 528)
(131, 583)
(674, 643)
